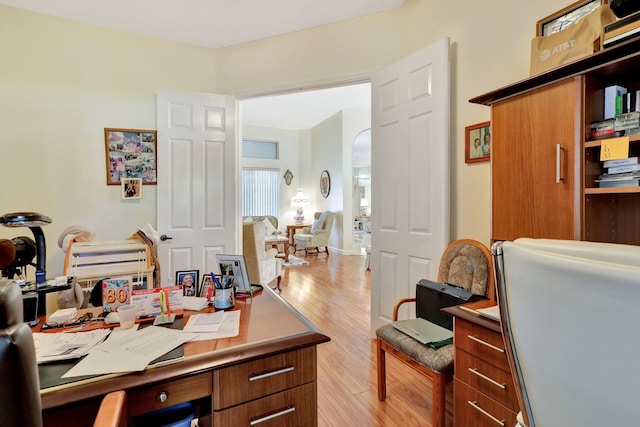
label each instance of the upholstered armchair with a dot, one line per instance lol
(20, 391)
(262, 264)
(317, 235)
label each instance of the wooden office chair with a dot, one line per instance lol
(569, 317)
(113, 410)
(465, 263)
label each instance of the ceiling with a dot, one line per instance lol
(207, 23)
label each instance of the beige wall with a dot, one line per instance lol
(490, 45)
(62, 83)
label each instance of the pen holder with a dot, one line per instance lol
(225, 298)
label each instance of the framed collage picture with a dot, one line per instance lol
(131, 153)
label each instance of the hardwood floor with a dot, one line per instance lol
(333, 292)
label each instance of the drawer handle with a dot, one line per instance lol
(163, 396)
(478, 340)
(272, 416)
(484, 377)
(254, 377)
(474, 405)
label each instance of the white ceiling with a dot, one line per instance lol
(207, 23)
(220, 23)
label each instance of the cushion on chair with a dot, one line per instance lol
(438, 360)
(316, 226)
(269, 229)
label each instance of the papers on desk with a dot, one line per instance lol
(64, 346)
(490, 312)
(222, 324)
(129, 351)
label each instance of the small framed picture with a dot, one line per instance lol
(566, 17)
(477, 146)
(207, 287)
(235, 267)
(189, 281)
(132, 188)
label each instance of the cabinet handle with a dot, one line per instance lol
(254, 377)
(494, 419)
(559, 177)
(478, 340)
(272, 416)
(163, 396)
(486, 378)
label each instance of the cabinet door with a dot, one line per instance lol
(527, 200)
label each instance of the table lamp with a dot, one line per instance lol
(364, 203)
(32, 220)
(300, 201)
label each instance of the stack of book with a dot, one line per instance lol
(621, 30)
(620, 173)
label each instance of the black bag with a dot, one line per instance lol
(622, 8)
(432, 297)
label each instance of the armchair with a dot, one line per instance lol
(569, 315)
(20, 391)
(317, 235)
(465, 263)
(262, 264)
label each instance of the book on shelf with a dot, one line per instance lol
(621, 29)
(615, 183)
(623, 169)
(621, 162)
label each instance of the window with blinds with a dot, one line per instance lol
(260, 192)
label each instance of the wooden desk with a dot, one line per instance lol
(217, 376)
(483, 388)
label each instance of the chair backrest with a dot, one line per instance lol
(569, 316)
(467, 263)
(20, 385)
(328, 220)
(253, 247)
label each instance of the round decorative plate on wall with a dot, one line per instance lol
(325, 184)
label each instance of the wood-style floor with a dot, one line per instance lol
(333, 292)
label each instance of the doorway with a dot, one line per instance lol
(361, 163)
(314, 131)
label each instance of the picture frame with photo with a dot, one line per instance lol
(131, 188)
(207, 287)
(236, 267)
(189, 279)
(131, 153)
(477, 146)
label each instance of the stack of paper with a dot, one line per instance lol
(63, 346)
(194, 303)
(490, 312)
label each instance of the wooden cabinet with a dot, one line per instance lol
(530, 119)
(483, 388)
(535, 192)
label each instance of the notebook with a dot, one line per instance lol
(424, 331)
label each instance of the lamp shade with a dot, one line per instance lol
(364, 202)
(300, 200)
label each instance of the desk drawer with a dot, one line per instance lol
(251, 380)
(147, 399)
(481, 342)
(294, 407)
(486, 378)
(472, 408)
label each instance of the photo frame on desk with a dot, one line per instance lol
(189, 280)
(477, 143)
(236, 266)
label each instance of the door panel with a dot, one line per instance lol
(410, 176)
(197, 180)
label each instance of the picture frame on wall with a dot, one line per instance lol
(131, 153)
(567, 16)
(325, 183)
(477, 146)
(131, 188)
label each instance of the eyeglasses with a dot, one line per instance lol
(85, 318)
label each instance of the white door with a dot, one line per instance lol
(197, 181)
(410, 176)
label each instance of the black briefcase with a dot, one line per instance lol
(432, 297)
